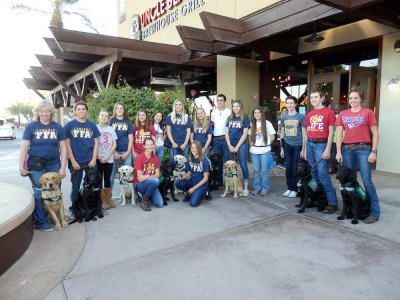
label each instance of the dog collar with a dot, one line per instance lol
(53, 199)
(230, 174)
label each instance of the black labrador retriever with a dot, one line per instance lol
(167, 182)
(214, 158)
(311, 192)
(356, 204)
(88, 206)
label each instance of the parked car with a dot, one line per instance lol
(7, 131)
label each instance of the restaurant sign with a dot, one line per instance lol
(162, 14)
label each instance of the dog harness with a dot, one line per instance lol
(312, 184)
(53, 199)
(358, 189)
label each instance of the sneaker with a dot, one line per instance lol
(287, 193)
(293, 194)
(245, 193)
(370, 220)
(330, 209)
(255, 192)
(280, 166)
(264, 193)
(46, 228)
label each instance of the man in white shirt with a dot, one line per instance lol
(219, 117)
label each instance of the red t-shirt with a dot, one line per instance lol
(357, 125)
(140, 135)
(318, 121)
(147, 165)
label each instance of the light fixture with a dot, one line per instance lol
(397, 46)
(314, 38)
(393, 83)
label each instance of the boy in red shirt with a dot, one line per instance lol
(320, 127)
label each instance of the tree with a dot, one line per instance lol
(19, 109)
(57, 9)
(134, 99)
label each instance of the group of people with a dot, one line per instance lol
(311, 137)
(116, 141)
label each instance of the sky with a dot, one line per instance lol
(22, 37)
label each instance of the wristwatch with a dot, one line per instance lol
(374, 151)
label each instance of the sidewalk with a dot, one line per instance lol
(247, 248)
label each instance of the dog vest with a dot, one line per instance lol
(312, 184)
(230, 174)
(53, 199)
(358, 189)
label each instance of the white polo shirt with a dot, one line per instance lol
(219, 117)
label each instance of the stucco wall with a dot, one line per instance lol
(389, 109)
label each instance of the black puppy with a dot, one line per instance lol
(167, 182)
(311, 192)
(356, 204)
(214, 158)
(88, 205)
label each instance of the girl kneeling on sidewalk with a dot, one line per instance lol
(195, 181)
(147, 172)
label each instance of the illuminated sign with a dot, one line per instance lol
(162, 14)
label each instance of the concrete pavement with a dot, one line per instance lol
(247, 248)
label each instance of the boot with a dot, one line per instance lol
(145, 203)
(103, 197)
(108, 198)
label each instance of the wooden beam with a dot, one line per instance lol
(112, 74)
(78, 88)
(117, 56)
(63, 84)
(85, 87)
(99, 80)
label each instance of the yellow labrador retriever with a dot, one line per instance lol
(52, 198)
(231, 179)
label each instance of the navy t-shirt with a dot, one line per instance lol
(178, 129)
(199, 136)
(122, 129)
(44, 139)
(236, 128)
(197, 168)
(81, 136)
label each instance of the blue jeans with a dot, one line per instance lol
(160, 154)
(260, 165)
(149, 188)
(117, 164)
(220, 147)
(176, 151)
(360, 155)
(242, 155)
(40, 214)
(292, 155)
(320, 173)
(197, 196)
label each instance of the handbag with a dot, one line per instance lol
(36, 163)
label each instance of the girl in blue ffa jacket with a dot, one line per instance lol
(178, 130)
(195, 181)
(202, 131)
(124, 130)
(237, 127)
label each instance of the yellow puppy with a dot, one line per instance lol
(52, 198)
(231, 179)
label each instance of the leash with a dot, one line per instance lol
(316, 163)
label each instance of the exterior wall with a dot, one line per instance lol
(238, 79)
(231, 8)
(389, 108)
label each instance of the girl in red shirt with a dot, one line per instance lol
(360, 145)
(141, 130)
